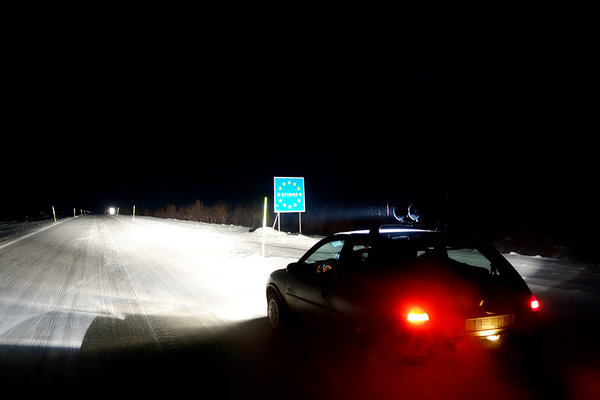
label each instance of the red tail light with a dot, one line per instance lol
(417, 316)
(534, 303)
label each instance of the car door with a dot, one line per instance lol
(308, 289)
(348, 301)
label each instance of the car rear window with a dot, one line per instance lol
(399, 253)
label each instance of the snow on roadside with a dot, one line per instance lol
(238, 242)
(11, 231)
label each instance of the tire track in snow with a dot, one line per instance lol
(115, 258)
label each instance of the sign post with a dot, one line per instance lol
(289, 197)
(264, 226)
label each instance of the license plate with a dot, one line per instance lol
(489, 323)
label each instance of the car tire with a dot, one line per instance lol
(276, 314)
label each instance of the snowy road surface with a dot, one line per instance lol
(99, 306)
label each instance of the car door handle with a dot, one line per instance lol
(325, 294)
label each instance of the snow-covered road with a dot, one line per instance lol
(91, 286)
(56, 282)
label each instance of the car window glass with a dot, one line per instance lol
(323, 261)
(328, 251)
(361, 254)
(472, 257)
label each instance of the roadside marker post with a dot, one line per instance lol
(53, 214)
(264, 225)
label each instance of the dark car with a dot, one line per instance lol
(395, 287)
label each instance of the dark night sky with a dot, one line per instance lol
(369, 107)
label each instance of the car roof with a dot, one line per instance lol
(391, 231)
(402, 232)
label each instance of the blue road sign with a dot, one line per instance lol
(289, 194)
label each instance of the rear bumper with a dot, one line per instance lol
(426, 342)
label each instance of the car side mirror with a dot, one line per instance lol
(293, 268)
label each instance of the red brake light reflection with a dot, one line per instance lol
(534, 303)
